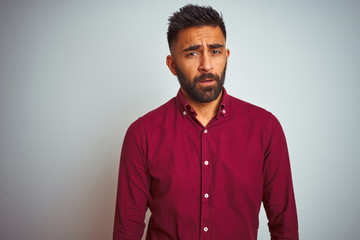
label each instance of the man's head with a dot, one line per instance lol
(193, 16)
(197, 38)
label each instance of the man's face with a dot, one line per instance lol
(199, 60)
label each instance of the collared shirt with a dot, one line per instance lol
(205, 182)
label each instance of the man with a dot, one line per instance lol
(204, 161)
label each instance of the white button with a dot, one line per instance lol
(206, 195)
(184, 113)
(224, 111)
(206, 229)
(205, 131)
(206, 163)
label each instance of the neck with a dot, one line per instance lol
(205, 111)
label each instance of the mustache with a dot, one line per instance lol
(205, 76)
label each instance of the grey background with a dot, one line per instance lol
(75, 74)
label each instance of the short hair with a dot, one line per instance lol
(191, 16)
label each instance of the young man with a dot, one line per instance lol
(204, 161)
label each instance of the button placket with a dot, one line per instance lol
(205, 181)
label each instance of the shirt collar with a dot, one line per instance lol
(185, 108)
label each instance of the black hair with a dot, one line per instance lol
(190, 16)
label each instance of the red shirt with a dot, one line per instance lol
(205, 182)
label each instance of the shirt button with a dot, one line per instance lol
(206, 195)
(184, 113)
(205, 131)
(206, 229)
(206, 163)
(224, 111)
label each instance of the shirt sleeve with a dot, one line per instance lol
(278, 194)
(133, 187)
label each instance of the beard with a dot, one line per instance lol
(198, 93)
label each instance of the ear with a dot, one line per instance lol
(170, 62)
(227, 55)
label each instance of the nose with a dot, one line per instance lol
(205, 63)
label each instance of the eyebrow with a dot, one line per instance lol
(215, 45)
(191, 48)
(196, 47)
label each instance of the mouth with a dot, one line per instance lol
(207, 81)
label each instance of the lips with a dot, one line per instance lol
(206, 79)
(207, 82)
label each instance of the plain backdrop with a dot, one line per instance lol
(75, 74)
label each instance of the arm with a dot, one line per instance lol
(133, 187)
(278, 194)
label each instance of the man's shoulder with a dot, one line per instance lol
(157, 115)
(254, 115)
(243, 108)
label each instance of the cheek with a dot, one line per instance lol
(221, 64)
(190, 69)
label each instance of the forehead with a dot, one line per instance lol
(200, 35)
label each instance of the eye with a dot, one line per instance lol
(192, 54)
(216, 52)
